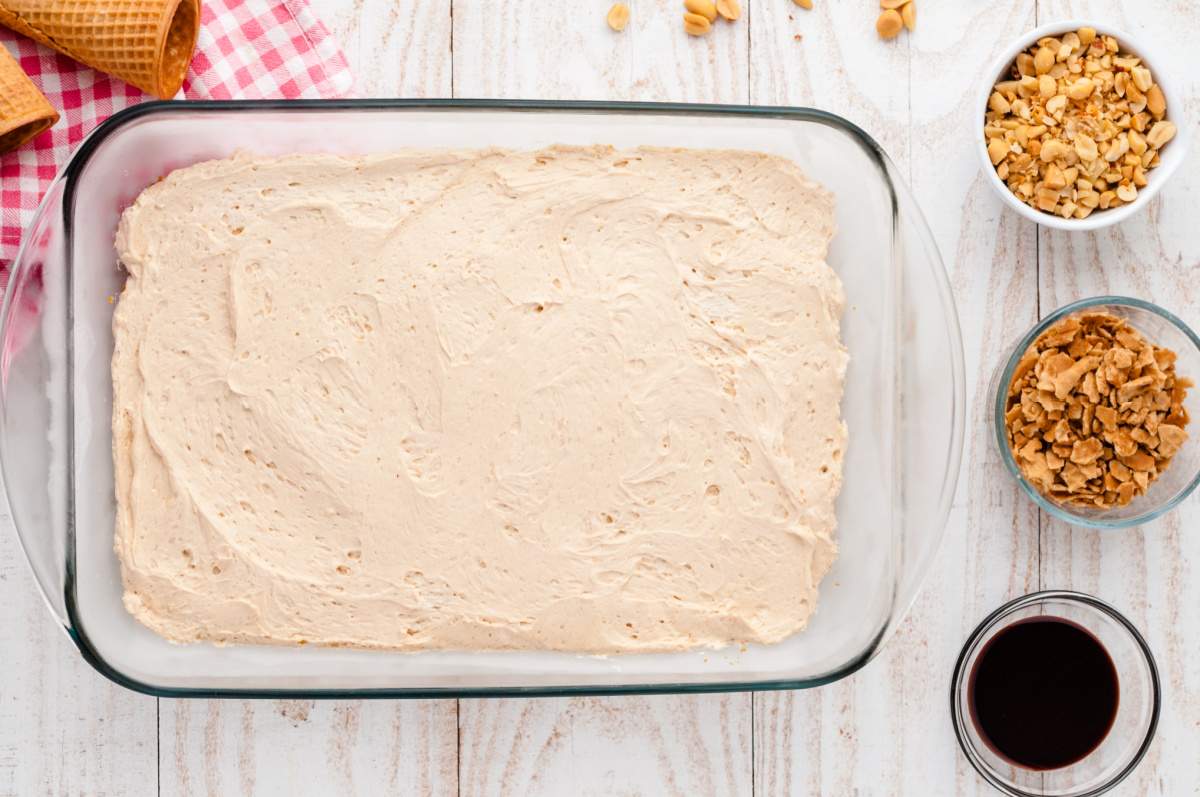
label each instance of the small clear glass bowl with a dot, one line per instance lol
(1137, 711)
(1175, 483)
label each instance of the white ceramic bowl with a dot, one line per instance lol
(1172, 156)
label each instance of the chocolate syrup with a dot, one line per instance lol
(1043, 693)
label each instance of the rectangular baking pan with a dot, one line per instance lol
(904, 400)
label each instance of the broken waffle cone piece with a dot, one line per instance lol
(24, 110)
(147, 43)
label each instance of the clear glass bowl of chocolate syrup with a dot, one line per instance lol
(1055, 693)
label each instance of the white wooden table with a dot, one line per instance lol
(885, 731)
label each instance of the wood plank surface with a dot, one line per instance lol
(287, 747)
(883, 731)
(1151, 573)
(663, 745)
(64, 729)
(395, 49)
(565, 51)
(226, 747)
(816, 741)
(991, 552)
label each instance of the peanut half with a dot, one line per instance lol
(895, 17)
(696, 24)
(889, 24)
(705, 8)
(618, 17)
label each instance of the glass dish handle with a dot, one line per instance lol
(931, 413)
(34, 401)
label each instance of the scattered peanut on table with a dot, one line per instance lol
(895, 17)
(889, 24)
(1076, 125)
(699, 15)
(618, 17)
(705, 8)
(730, 9)
(696, 24)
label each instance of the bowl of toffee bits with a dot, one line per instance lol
(1080, 128)
(1092, 412)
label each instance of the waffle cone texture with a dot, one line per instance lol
(24, 110)
(147, 43)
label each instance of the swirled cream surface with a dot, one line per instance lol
(578, 399)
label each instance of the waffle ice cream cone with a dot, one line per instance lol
(24, 110)
(147, 43)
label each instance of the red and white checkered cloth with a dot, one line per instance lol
(248, 49)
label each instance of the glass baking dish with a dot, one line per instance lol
(904, 400)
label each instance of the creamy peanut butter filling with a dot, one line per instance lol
(577, 399)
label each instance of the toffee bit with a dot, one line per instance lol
(1094, 412)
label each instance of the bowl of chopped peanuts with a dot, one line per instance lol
(1092, 409)
(1080, 130)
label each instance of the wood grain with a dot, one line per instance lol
(564, 50)
(664, 745)
(884, 731)
(343, 747)
(815, 742)
(671, 745)
(245, 747)
(1149, 573)
(396, 49)
(64, 729)
(830, 58)
(991, 552)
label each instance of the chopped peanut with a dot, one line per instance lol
(1076, 101)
